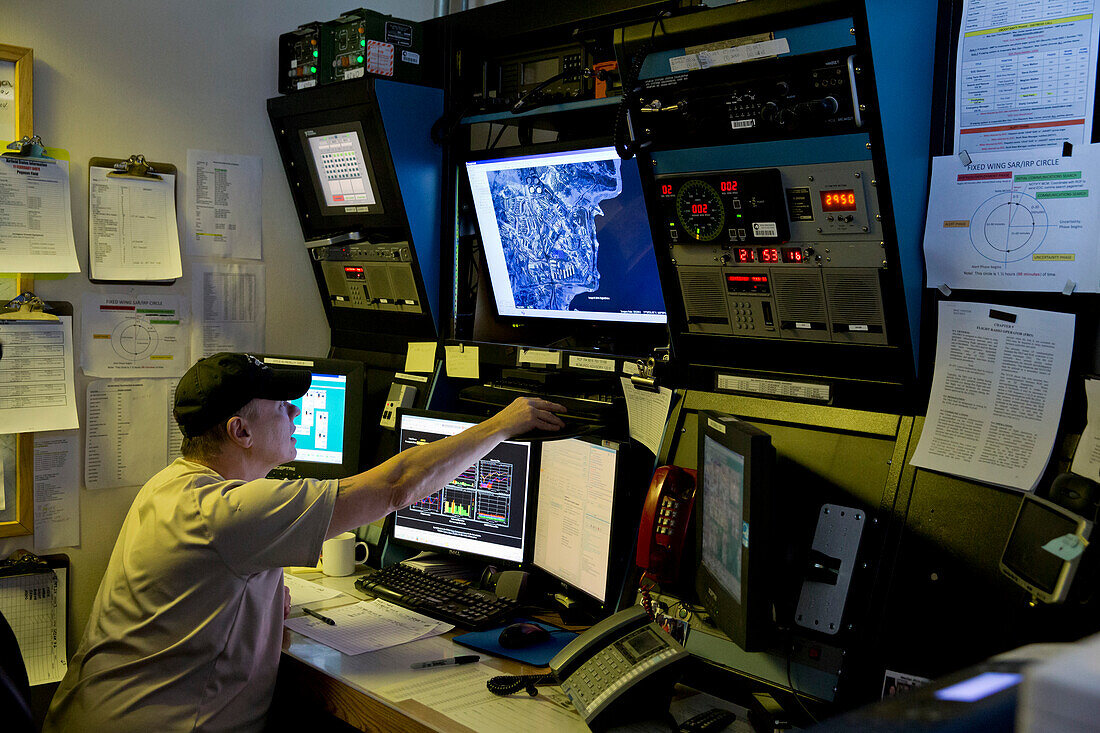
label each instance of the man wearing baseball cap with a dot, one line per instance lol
(186, 629)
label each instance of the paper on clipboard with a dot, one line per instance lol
(36, 216)
(34, 605)
(36, 376)
(132, 227)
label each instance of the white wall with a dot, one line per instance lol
(158, 77)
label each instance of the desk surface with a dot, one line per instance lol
(378, 690)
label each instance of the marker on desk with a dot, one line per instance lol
(314, 614)
(462, 659)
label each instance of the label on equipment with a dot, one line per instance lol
(399, 34)
(592, 362)
(354, 73)
(765, 229)
(780, 388)
(410, 57)
(800, 324)
(307, 84)
(854, 327)
(742, 124)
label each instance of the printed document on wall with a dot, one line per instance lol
(224, 205)
(1023, 221)
(127, 439)
(36, 376)
(1086, 459)
(997, 392)
(132, 227)
(56, 490)
(36, 216)
(228, 304)
(1025, 75)
(134, 336)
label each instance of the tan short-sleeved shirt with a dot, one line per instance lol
(186, 628)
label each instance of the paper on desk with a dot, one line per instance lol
(368, 626)
(1086, 459)
(461, 695)
(36, 216)
(997, 392)
(304, 591)
(228, 304)
(223, 205)
(56, 490)
(36, 376)
(133, 233)
(647, 413)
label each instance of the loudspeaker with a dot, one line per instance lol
(511, 584)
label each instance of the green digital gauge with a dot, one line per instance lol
(700, 210)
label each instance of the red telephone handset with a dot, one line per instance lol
(664, 523)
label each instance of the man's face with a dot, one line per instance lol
(271, 425)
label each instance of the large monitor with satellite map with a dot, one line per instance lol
(566, 237)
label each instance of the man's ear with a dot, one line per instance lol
(237, 430)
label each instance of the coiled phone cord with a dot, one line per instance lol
(507, 684)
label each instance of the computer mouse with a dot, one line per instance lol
(523, 635)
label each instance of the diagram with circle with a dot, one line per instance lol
(134, 339)
(1008, 227)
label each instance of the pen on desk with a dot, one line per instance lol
(314, 614)
(463, 659)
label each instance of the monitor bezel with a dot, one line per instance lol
(532, 491)
(747, 622)
(569, 334)
(1057, 591)
(305, 135)
(617, 510)
(355, 372)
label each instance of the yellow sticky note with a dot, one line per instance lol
(420, 357)
(462, 361)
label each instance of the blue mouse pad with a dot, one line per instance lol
(538, 655)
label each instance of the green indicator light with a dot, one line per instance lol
(362, 42)
(738, 216)
(359, 59)
(314, 54)
(313, 69)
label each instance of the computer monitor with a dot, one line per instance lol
(341, 169)
(574, 514)
(327, 433)
(566, 237)
(484, 510)
(734, 506)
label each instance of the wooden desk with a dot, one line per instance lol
(378, 691)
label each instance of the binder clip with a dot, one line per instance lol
(27, 147)
(27, 307)
(646, 377)
(134, 167)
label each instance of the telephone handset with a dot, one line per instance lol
(620, 668)
(664, 525)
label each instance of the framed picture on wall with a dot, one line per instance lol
(16, 64)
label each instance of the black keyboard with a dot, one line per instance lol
(591, 408)
(441, 598)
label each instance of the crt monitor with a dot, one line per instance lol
(733, 503)
(483, 511)
(575, 515)
(327, 432)
(566, 238)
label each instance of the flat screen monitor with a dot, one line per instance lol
(736, 462)
(574, 515)
(484, 510)
(1027, 558)
(341, 169)
(566, 237)
(327, 432)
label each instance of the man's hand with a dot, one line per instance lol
(529, 413)
(286, 602)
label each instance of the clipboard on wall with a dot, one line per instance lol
(133, 234)
(34, 598)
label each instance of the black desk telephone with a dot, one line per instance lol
(622, 668)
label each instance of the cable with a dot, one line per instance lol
(623, 145)
(790, 682)
(507, 684)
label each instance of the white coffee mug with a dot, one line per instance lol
(340, 554)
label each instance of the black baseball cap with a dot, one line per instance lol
(214, 388)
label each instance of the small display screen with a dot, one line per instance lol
(746, 254)
(843, 200)
(319, 429)
(343, 176)
(769, 254)
(791, 254)
(1024, 554)
(724, 494)
(976, 688)
(639, 645)
(738, 283)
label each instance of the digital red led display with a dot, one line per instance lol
(838, 200)
(729, 186)
(666, 189)
(791, 254)
(745, 254)
(769, 254)
(354, 273)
